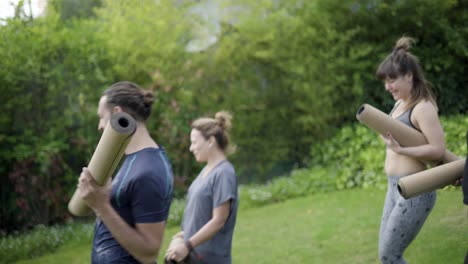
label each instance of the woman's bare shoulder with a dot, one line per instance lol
(425, 107)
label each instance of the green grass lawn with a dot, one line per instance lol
(339, 227)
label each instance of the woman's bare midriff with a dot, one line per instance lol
(399, 165)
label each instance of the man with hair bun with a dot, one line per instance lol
(133, 209)
(416, 107)
(212, 199)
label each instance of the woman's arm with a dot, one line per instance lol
(220, 215)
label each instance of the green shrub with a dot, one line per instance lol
(356, 153)
(298, 183)
(47, 69)
(439, 30)
(292, 72)
(455, 128)
(42, 240)
(353, 158)
(45, 239)
(176, 212)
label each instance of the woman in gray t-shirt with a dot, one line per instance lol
(212, 200)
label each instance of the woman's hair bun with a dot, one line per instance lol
(223, 119)
(404, 43)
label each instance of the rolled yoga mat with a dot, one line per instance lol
(106, 157)
(405, 135)
(431, 179)
(408, 137)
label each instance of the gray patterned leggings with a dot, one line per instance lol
(401, 221)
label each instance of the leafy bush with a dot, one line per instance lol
(290, 71)
(352, 159)
(47, 69)
(300, 182)
(176, 212)
(356, 153)
(293, 71)
(45, 239)
(42, 240)
(455, 128)
(435, 24)
(285, 83)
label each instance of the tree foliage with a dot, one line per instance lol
(291, 72)
(46, 71)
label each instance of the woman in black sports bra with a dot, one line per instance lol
(416, 107)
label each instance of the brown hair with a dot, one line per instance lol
(217, 127)
(401, 62)
(133, 99)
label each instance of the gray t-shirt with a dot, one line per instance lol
(205, 194)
